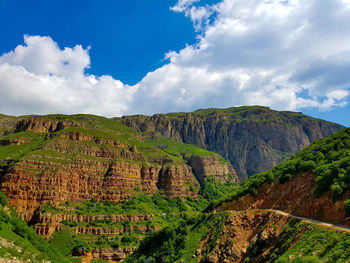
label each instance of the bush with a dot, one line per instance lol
(3, 199)
(347, 207)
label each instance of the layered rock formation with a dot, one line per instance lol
(253, 139)
(204, 166)
(50, 161)
(75, 166)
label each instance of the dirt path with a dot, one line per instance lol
(342, 228)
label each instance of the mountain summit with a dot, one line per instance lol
(252, 138)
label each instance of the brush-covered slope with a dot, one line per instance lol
(315, 183)
(249, 236)
(88, 178)
(247, 226)
(253, 139)
(20, 243)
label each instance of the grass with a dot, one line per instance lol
(179, 242)
(140, 204)
(14, 151)
(25, 244)
(315, 244)
(180, 150)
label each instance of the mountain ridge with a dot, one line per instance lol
(252, 138)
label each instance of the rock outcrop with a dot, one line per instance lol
(253, 139)
(295, 197)
(204, 166)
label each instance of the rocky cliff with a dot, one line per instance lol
(253, 139)
(295, 197)
(94, 178)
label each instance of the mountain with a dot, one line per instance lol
(94, 188)
(271, 216)
(252, 138)
(314, 183)
(84, 179)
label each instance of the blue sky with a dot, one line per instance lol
(122, 57)
(127, 38)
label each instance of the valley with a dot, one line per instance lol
(216, 185)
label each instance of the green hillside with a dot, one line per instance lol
(328, 159)
(18, 240)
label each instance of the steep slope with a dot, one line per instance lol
(253, 139)
(244, 236)
(85, 177)
(315, 183)
(247, 226)
(20, 243)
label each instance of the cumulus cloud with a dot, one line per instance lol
(288, 55)
(39, 77)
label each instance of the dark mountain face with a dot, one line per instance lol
(253, 139)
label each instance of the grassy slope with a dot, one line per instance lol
(21, 241)
(302, 241)
(179, 242)
(100, 127)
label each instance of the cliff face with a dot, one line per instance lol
(203, 166)
(253, 139)
(52, 165)
(75, 158)
(74, 165)
(295, 197)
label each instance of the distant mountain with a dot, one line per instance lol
(252, 138)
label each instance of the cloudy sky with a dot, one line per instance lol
(114, 58)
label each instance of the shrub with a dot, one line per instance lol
(347, 207)
(3, 199)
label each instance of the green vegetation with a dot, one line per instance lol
(239, 114)
(180, 241)
(66, 243)
(154, 151)
(314, 244)
(328, 159)
(177, 149)
(298, 242)
(212, 189)
(14, 151)
(162, 213)
(139, 204)
(21, 241)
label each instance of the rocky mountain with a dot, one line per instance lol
(94, 188)
(314, 183)
(270, 217)
(253, 139)
(85, 178)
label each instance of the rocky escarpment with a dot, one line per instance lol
(112, 254)
(295, 197)
(75, 158)
(253, 139)
(244, 228)
(47, 223)
(204, 166)
(7, 124)
(69, 168)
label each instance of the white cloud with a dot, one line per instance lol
(260, 52)
(39, 77)
(288, 55)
